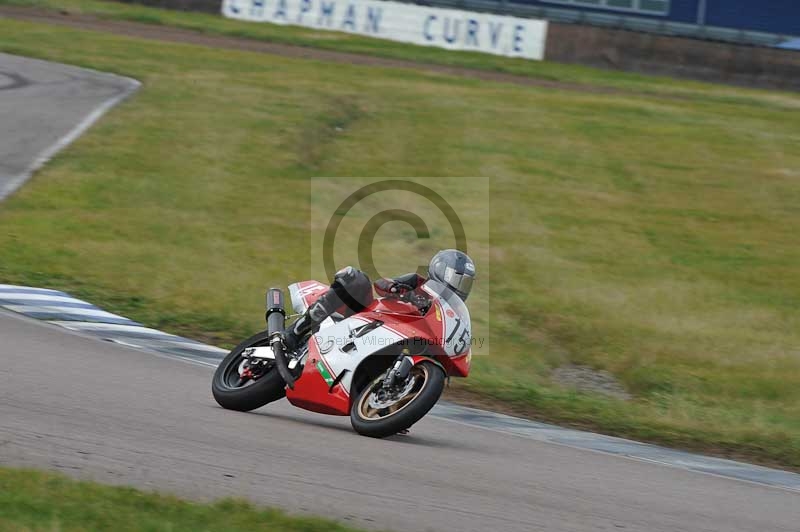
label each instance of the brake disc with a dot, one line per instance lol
(379, 404)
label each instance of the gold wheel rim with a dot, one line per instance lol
(369, 413)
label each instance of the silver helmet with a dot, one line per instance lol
(455, 269)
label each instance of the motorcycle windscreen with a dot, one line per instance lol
(456, 336)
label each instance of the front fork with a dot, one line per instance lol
(400, 370)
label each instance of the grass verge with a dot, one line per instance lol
(653, 238)
(36, 501)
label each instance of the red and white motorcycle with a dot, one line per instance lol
(385, 367)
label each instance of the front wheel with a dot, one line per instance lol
(245, 384)
(378, 412)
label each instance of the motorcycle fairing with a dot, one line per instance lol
(337, 349)
(304, 293)
(343, 349)
(316, 389)
(334, 354)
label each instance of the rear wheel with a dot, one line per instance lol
(245, 384)
(379, 412)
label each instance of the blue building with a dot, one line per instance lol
(769, 16)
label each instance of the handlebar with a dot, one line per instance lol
(414, 298)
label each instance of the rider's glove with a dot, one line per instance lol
(390, 287)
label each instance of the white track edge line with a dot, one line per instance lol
(65, 311)
(40, 298)
(671, 465)
(15, 182)
(623, 456)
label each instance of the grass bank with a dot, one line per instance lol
(652, 237)
(36, 501)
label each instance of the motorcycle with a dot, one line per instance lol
(385, 366)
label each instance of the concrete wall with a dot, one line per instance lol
(673, 56)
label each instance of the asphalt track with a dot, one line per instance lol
(45, 106)
(103, 411)
(117, 415)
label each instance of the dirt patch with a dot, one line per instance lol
(172, 34)
(321, 131)
(586, 379)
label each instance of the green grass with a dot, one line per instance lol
(653, 237)
(35, 501)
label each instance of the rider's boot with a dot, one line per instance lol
(299, 331)
(350, 290)
(309, 322)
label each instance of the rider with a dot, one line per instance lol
(351, 291)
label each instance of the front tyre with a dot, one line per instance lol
(241, 385)
(378, 412)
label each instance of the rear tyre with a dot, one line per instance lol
(377, 414)
(234, 392)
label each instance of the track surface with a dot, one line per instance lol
(117, 415)
(63, 310)
(44, 106)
